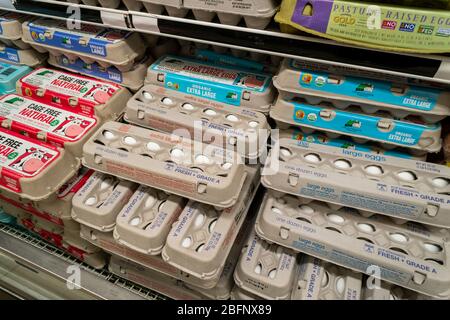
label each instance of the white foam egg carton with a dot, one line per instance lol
(100, 200)
(266, 270)
(380, 127)
(243, 130)
(90, 43)
(176, 165)
(145, 221)
(410, 255)
(11, 29)
(33, 169)
(406, 189)
(132, 79)
(28, 57)
(320, 280)
(212, 83)
(201, 239)
(81, 94)
(371, 96)
(40, 121)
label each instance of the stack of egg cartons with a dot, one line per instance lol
(384, 213)
(180, 210)
(12, 48)
(44, 127)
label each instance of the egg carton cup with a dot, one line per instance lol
(91, 44)
(266, 270)
(40, 121)
(174, 8)
(76, 93)
(132, 79)
(240, 294)
(397, 187)
(352, 122)
(27, 57)
(200, 241)
(388, 291)
(100, 200)
(32, 169)
(212, 83)
(257, 14)
(320, 280)
(411, 255)
(400, 100)
(242, 130)
(180, 166)
(145, 221)
(11, 29)
(9, 74)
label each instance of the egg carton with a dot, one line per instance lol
(11, 29)
(180, 166)
(411, 255)
(9, 74)
(213, 83)
(320, 280)
(132, 79)
(446, 147)
(27, 57)
(13, 209)
(84, 95)
(33, 169)
(388, 291)
(89, 43)
(200, 241)
(145, 221)
(400, 188)
(352, 122)
(100, 200)
(400, 100)
(163, 46)
(240, 294)
(242, 130)
(56, 126)
(266, 270)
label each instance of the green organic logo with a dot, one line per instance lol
(13, 155)
(54, 123)
(83, 90)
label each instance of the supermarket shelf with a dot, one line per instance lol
(30, 252)
(416, 68)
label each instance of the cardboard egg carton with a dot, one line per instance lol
(26, 57)
(100, 200)
(239, 129)
(11, 29)
(447, 147)
(145, 221)
(200, 241)
(84, 95)
(90, 43)
(33, 169)
(400, 100)
(240, 294)
(381, 290)
(176, 165)
(212, 83)
(352, 122)
(406, 189)
(410, 255)
(9, 74)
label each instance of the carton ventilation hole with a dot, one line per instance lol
(106, 183)
(365, 239)
(161, 205)
(342, 164)
(333, 229)
(147, 95)
(212, 225)
(400, 250)
(440, 262)
(199, 220)
(303, 219)
(167, 101)
(312, 158)
(200, 248)
(150, 201)
(325, 279)
(232, 118)
(131, 141)
(209, 112)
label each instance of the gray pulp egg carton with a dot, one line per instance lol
(40, 121)
(352, 122)
(87, 96)
(320, 280)
(240, 294)
(201, 239)
(100, 200)
(243, 130)
(388, 291)
(11, 29)
(406, 189)
(91, 43)
(33, 169)
(211, 83)
(446, 147)
(266, 270)
(174, 8)
(400, 100)
(83, 250)
(176, 165)
(410, 255)
(145, 221)
(257, 14)
(28, 57)
(132, 79)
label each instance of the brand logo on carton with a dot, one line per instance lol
(389, 24)
(407, 27)
(426, 30)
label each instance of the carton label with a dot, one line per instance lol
(10, 54)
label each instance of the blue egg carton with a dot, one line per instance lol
(9, 74)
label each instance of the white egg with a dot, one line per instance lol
(253, 124)
(440, 182)
(153, 146)
(135, 221)
(210, 112)
(199, 220)
(407, 176)
(364, 227)
(273, 274)
(167, 101)
(108, 135)
(342, 164)
(200, 248)
(226, 165)
(177, 153)
(90, 201)
(399, 237)
(212, 225)
(202, 159)
(312, 157)
(431, 247)
(306, 209)
(325, 279)
(286, 152)
(335, 218)
(232, 118)
(258, 269)
(106, 183)
(186, 243)
(276, 210)
(129, 141)
(147, 95)
(340, 285)
(150, 202)
(187, 106)
(374, 170)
